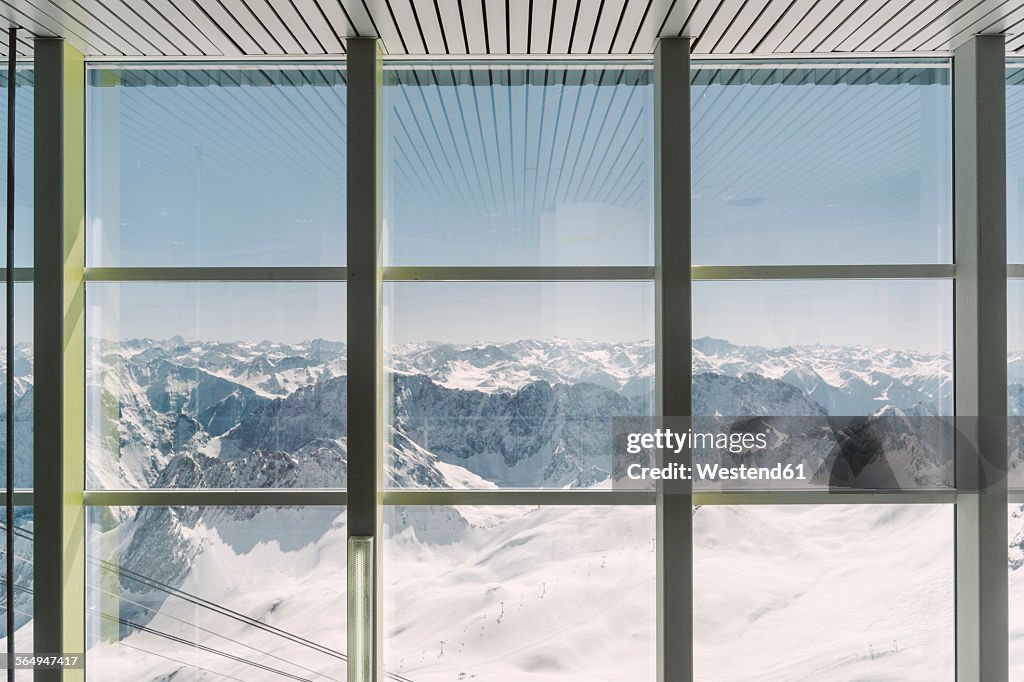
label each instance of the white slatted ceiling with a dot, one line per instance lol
(228, 28)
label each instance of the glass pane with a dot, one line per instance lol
(816, 164)
(24, 155)
(252, 593)
(518, 165)
(879, 351)
(513, 384)
(233, 166)
(216, 385)
(23, 585)
(503, 594)
(1016, 566)
(1015, 163)
(1015, 381)
(23, 395)
(833, 592)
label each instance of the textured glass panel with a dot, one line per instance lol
(197, 593)
(1015, 381)
(505, 594)
(23, 407)
(216, 385)
(513, 384)
(23, 585)
(815, 164)
(1016, 567)
(24, 156)
(836, 592)
(1015, 163)
(518, 165)
(223, 166)
(878, 351)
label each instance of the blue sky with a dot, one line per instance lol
(554, 169)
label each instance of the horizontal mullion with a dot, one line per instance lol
(1015, 270)
(525, 273)
(448, 497)
(217, 274)
(1015, 497)
(22, 498)
(20, 274)
(819, 497)
(740, 272)
(230, 497)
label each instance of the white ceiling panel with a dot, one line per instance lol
(230, 28)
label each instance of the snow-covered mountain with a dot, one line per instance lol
(177, 413)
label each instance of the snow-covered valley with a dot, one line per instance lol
(498, 593)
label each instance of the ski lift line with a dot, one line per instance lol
(198, 627)
(217, 634)
(197, 645)
(216, 608)
(180, 662)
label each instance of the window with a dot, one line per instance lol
(821, 164)
(216, 360)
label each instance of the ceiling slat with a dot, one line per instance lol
(973, 19)
(709, 29)
(885, 12)
(518, 27)
(540, 27)
(807, 24)
(187, 26)
(586, 24)
(924, 14)
(425, 15)
(130, 27)
(323, 26)
(497, 35)
(451, 23)
(752, 15)
(607, 25)
(257, 34)
(476, 31)
(300, 25)
(565, 17)
(56, 23)
(173, 28)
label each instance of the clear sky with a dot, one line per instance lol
(540, 168)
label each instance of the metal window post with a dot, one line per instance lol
(59, 367)
(979, 144)
(672, 343)
(365, 398)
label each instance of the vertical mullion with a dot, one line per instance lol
(59, 338)
(979, 131)
(364, 134)
(672, 343)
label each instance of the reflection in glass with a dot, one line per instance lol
(253, 593)
(879, 351)
(518, 165)
(216, 385)
(834, 592)
(513, 384)
(1016, 567)
(23, 395)
(1014, 163)
(24, 155)
(505, 594)
(1015, 381)
(24, 533)
(223, 166)
(816, 164)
